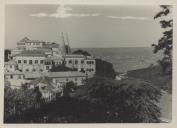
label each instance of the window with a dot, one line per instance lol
(10, 66)
(19, 77)
(19, 61)
(34, 70)
(70, 61)
(76, 61)
(27, 70)
(11, 76)
(88, 62)
(41, 61)
(75, 79)
(67, 79)
(82, 70)
(82, 61)
(25, 61)
(30, 62)
(36, 61)
(47, 67)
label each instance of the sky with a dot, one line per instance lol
(88, 26)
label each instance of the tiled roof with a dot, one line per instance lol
(12, 73)
(79, 56)
(45, 80)
(53, 58)
(32, 75)
(74, 56)
(51, 45)
(31, 53)
(66, 74)
(34, 41)
(44, 49)
(10, 63)
(25, 39)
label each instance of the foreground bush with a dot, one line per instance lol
(130, 100)
(101, 100)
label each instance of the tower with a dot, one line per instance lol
(65, 46)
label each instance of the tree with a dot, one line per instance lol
(105, 69)
(68, 88)
(6, 55)
(16, 101)
(130, 100)
(81, 52)
(61, 68)
(165, 42)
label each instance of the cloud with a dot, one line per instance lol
(129, 18)
(39, 14)
(63, 12)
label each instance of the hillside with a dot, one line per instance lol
(153, 75)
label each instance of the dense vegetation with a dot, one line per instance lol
(165, 42)
(99, 100)
(6, 55)
(153, 74)
(61, 68)
(81, 52)
(17, 101)
(103, 68)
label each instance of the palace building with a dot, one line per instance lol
(32, 59)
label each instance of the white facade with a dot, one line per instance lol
(33, 45)
(32, 63)
(10, 66)
(81, 63)
(33, 59)
(15, 52)
(15, 79)
(59, 78)
(63, 80)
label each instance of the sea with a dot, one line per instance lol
(126, 58)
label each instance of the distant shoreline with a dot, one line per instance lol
(98, 47)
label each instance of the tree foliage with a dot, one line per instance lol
(68, 88)
(129, 100)
(6, 55)
(100, 100)
(104, 69)
(165, 42)
(16, 101)
(81, 52)
(61, 68)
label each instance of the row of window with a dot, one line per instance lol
(67, 80)
(10, 66)
(90, 69)
(75, 62)
(82, 62)
(33, 43)
(19, 76)
(30, 61)
(41, 70)
(90, 62)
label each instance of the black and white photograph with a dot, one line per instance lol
(79, 63)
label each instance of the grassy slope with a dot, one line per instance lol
(153, 75)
